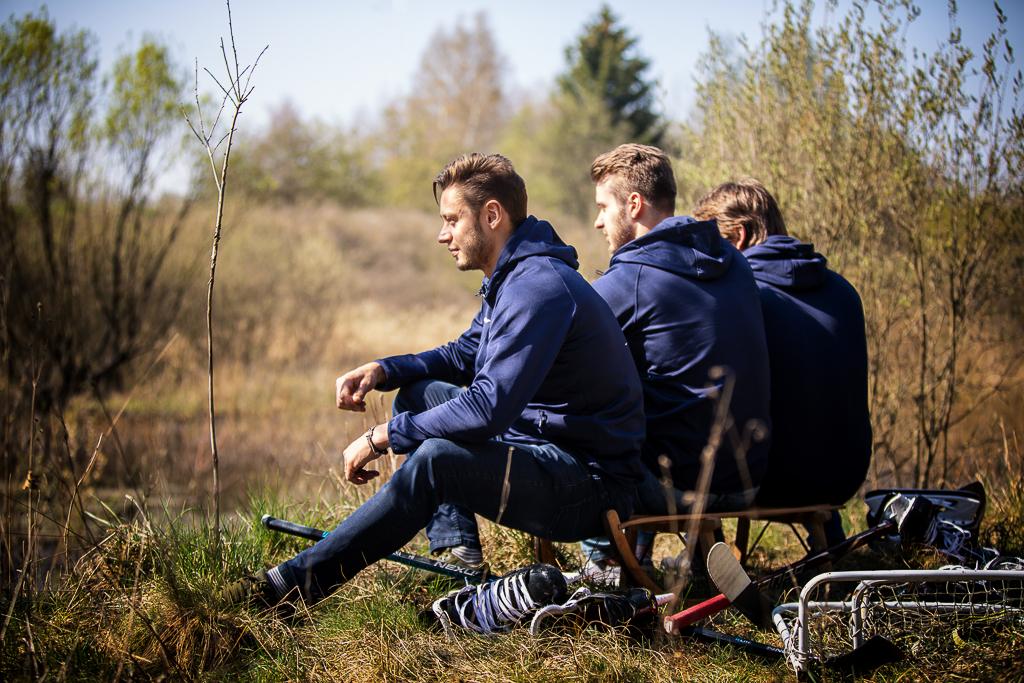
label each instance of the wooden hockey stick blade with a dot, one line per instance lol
(877, 651)
(919, 512)
(734, 582)
(673, 623)
(729, 576)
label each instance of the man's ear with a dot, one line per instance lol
(492, 213)
(635, 204)
(742, 238)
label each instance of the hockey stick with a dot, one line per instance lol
(410, 560)
(730, 577)
(911, 522)
(874, 653)
(747, 597)
(750, 646)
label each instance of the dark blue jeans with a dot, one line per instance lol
(451, 525)
(549, 493)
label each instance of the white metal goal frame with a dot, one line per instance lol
(796, 634)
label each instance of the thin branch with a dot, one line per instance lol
(216, 120)
(252, 70)
(199, 107)
(231, 32)
(237, 95)
(227, 94)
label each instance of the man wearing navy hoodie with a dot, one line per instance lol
(546, 434)
(814, 323)
(687, 303)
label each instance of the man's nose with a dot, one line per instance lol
(445, 235)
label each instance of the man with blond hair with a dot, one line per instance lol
(532, 417)
(687, 304)
(814, 324)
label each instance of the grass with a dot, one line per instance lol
(139, 605)
(302, 300)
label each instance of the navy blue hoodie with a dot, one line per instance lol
(543, 361)
(687, 302)
(814, 322)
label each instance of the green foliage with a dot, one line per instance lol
(899, 166)
(553, 146)
(601, 100)
(458, 105)
(603, 64)
(83, 252)
(46, 89)
(145, 98)
(293, 159)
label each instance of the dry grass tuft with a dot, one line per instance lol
(138, 606)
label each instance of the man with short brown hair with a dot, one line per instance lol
(688, 306)
(814, 325)
(545, 436)
(746, 213)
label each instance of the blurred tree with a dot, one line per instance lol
(458, 105)
(553, 145)
(294, 159)
(603, 65)
(83, 247)
(601, 100)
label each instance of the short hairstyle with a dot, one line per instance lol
(483, 177)
(638, 168)
(744, 203)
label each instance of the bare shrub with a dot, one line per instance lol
(84, 242)
(903, 169)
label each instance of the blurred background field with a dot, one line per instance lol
(902, 163)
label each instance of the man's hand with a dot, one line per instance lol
(359, 454)
(354, 385)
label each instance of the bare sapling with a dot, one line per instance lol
(235, 91)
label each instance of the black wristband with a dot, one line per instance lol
(373, 447)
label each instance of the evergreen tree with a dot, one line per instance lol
(604, 63)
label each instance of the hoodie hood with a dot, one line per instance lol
(786, 262)
(680, 245)
(532, 237)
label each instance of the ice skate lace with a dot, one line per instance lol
(490, 607)
(555, 610)
(958, 543)
(1005, 562)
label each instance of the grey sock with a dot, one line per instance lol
(471, 556)
(277, 581)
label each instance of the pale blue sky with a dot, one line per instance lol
(342, 60)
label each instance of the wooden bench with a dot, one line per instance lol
(814, 517)
(623, 538)
(709, 525)
(706, 528)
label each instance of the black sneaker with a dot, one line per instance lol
(252, 589)
(499, 605)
